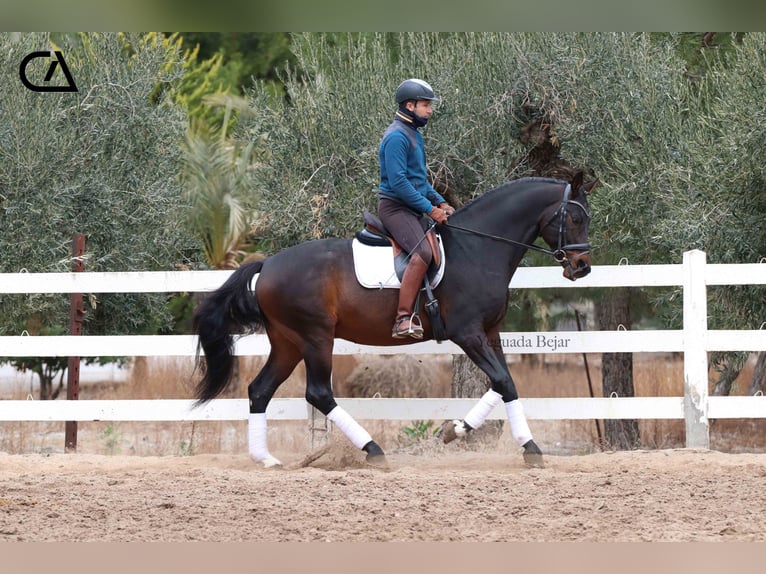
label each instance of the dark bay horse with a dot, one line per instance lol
(307, 295)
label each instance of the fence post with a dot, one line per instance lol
(695, 350)
(75, 328)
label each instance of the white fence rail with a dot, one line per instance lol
(694, 341)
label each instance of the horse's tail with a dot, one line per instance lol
(230, 309)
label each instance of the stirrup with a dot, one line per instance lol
(414, 329)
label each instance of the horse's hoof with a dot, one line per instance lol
(533, 456)
(451, 430)
(375, 456)
(534, 460)
(271, 462)
(377, 461)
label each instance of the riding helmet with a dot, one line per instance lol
(414, 89)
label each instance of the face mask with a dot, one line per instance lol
(417, 121)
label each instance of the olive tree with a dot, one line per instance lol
(324, 135)
(102, 161)
(684, 168)
(719, 202)
(624, 114)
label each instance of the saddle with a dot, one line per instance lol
(375, 268)
(375, 234)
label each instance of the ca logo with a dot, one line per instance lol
(56, 58)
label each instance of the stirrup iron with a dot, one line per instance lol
(415, 329)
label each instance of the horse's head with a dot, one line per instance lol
(565, 228)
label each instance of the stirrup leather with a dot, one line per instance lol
(414, 329)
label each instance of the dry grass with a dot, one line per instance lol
(406, 376)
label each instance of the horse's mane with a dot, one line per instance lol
(508, 187)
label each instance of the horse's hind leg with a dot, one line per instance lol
(319, 394)
(283, 358)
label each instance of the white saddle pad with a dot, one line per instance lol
(374, 266)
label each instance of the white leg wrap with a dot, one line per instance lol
(256, 440)
(519, 427)
(349, 427)
(480, 411)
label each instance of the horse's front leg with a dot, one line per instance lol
(490, 359)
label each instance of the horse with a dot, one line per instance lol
(307, 295)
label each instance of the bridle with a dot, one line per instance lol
(560, 253)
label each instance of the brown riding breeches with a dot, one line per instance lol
(406, 227)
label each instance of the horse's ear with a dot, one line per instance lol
(590, 186)
(576, 182)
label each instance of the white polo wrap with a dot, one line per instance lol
(257, 440)
(518, 422)
(480, 411)
(349, 427)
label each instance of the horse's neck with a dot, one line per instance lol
(516, 218)
(513, 220)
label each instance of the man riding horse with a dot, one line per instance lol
(405, 195)
(308, 295)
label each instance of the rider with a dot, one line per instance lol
(405, 194)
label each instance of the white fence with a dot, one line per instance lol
(694, 275)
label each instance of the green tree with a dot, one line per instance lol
(102, 161)
(626, 107)
(202, 78)
(216, 178)
(245, 56)
(217, 184)
(719, 203)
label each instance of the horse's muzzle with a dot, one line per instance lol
(576, 266)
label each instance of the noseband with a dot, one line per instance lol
(559, 254)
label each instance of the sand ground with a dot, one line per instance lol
(446, 495)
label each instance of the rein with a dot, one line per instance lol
(503, 239)
(559, 255)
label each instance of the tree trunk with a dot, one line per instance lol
(759, 375)
(46, 385)
(617, 369)
(469, 381)
(47, 376)
(728, 366)
(55, 394)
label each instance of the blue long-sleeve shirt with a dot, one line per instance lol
(403, 174)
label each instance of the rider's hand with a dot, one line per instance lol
(448, 209)
(438, 214)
